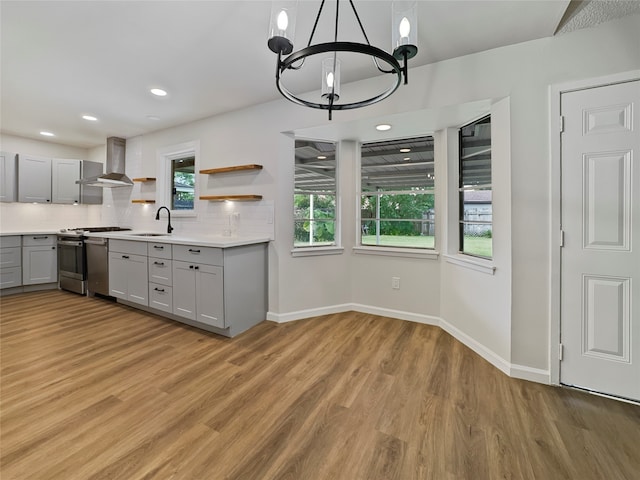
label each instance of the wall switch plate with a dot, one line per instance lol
(395, 283)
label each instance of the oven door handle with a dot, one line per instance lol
(70, 243)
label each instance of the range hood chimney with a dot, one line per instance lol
(115, 176)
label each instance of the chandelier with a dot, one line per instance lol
(281, 32)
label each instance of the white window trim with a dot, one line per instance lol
(315, 251)
(336, 248)
(473, 263)
(397, 252)
(164, 157)
(460, 258)
(387, 251)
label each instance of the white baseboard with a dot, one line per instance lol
(512, 370)
(529, 373)
(486, 353)
(310, 313)
(356, 307)
(400, 314)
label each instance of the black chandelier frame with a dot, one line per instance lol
(295, 61)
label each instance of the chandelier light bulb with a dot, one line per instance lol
(283, 21)
(405, 28)
(330, 79)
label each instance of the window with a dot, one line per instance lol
(183, 180)
(314, 200)
(397, 193)
(475, 189)
(177, 183)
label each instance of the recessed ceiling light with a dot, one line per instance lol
(158, 92)
(47, 134)
(321, 157)
(383, 127)
(405, 150)
(406, 159)
(90, 118)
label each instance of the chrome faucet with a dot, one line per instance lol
(169, 227)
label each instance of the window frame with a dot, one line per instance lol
(165, 159)
(395, 249)
(319, 248)
(462, 189)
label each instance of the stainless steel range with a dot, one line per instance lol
(72, 257)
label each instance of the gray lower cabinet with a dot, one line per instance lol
(223, 290)
(160, 277)
(128, 272)
(39, 259)
(198, 292)
(10, 261)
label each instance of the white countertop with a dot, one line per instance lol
(203, 240)
(28, 232)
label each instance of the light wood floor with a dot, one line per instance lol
(94, 390)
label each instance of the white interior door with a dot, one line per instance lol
(600, 266)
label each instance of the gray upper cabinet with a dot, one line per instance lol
(8, 179)
(34, 179)
(64, 175)
(91, 195)
(46, 180)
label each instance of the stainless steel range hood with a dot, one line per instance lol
(115, 176)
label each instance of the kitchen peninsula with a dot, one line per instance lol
(215, 283)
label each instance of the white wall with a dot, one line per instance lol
(476, 301)
(507, 316)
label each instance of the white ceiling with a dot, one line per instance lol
(63, 59)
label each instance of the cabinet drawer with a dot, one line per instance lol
(128, 246)
(10, 257)
(161, 297)
(197, 254)
(10, 277)
(37, 240)
(10, 241)
(159, 250)
(160, 271)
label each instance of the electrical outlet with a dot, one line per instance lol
(395, 283)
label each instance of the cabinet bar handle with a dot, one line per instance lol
(125, 256)
(159, 247)
(193, 250)
(41, 237)
(196, 267)
(158, 263)
(159, 289)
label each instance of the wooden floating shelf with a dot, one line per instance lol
(237, 168)
(143, 201)
(236, 198)
(144, 179)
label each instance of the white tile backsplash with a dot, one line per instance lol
(217, 218)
